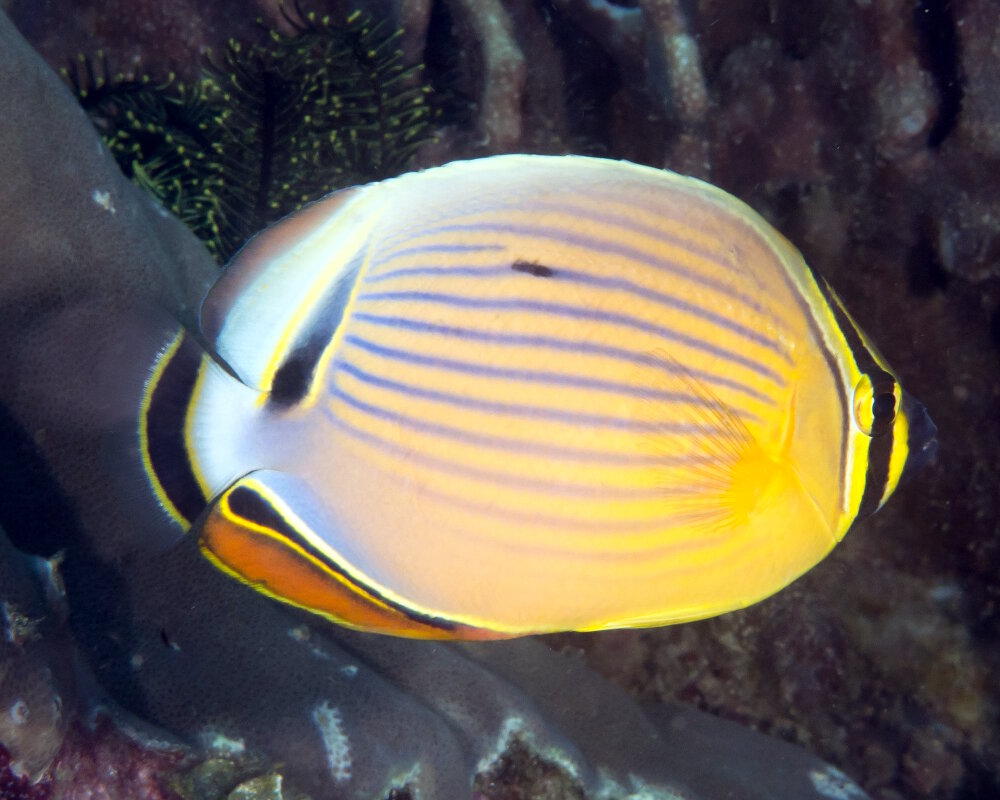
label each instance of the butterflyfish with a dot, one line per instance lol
(523, 394)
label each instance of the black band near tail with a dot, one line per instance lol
(166, 413)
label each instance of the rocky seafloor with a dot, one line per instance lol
(869, 133)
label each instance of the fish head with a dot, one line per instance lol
(921, 437)
(902, 437)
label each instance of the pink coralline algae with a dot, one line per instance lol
(19, 787)
(105, 764)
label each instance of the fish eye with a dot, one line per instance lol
(875, 405)
(884, 406)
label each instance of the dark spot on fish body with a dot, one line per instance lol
(294, 376)
(533, 268)
(292, 379)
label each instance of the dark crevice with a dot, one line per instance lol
(34, 513)
(939, 54)
(995, 328)
(980, 782)
(593, 80)
(454, 94)
(924, 270)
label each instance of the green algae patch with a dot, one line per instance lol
(268, 127)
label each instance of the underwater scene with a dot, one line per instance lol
(499, 399)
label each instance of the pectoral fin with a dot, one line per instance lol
(715, 473)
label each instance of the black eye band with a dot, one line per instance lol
(884, 407)
(883, 385)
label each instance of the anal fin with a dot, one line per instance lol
(269, 531)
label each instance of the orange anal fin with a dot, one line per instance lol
(268, 559)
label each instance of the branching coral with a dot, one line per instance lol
(651, 45)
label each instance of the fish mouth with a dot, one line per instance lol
(922, 443)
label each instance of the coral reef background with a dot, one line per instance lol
(869, 133)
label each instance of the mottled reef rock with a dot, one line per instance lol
(36, 682)
(868, 132)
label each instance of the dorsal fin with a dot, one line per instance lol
(264, 296)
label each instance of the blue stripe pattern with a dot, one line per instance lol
(576, 312)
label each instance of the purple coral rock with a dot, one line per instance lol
(19, 787)
(104, 764)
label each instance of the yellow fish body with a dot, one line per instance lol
(523, 394)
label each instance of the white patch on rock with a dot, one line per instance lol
(946, 593)
(349, 670)
(638, 789)
(512, 728)
(303, 635)
(409, 780)
(103, 199)
(218, 743)
(51, 573)
(516, 728)
(335, 741)
(831, 782)
(300, 633)
(19, 712)
(143, 734)
(8, 617)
